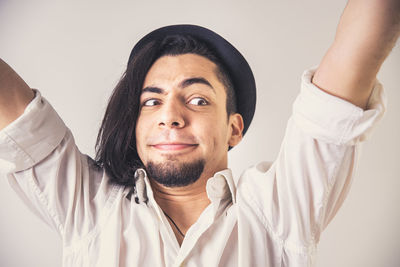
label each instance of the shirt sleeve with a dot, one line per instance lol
(58, 183)
(31, 137)
(298, 194)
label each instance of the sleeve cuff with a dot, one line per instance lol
(31, 137)
(334, 120)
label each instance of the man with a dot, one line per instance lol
(161, 207)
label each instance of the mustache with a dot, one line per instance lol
(168, 137)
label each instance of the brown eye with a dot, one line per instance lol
(198, 101)
(151, 102)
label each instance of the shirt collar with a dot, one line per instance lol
(218, 187)
(221, 186)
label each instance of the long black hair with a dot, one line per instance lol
(116, 141)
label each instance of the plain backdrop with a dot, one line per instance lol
(75, 51)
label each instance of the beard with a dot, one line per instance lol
(175, 174)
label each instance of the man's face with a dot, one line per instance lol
(183, 118)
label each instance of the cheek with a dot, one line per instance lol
(140, 133)
(215, 132)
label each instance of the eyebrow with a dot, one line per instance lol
(183, 84)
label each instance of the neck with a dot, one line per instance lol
(183, 204)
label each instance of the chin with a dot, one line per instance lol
(176, 173)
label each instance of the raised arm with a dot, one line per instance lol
(15, 95)
(367, 32)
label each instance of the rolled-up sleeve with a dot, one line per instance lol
(42, 163)
(298, 194)
(333, 120)
(31, 137)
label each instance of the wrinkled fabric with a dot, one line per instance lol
(272, 216)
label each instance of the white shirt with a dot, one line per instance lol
(273, 215)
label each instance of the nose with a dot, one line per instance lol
(171, 116)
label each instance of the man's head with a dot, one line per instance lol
(173, 112)
(183, 130)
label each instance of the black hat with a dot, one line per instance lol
(236, 65)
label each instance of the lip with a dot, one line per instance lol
(173, 146)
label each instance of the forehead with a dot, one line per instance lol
(175, 68)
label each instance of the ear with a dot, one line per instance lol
(236, 129)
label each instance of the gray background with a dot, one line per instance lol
(75, 51)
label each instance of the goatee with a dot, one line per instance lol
(175, 174)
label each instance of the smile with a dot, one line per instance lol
(173, 146)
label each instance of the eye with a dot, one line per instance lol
(198, 101)
(151, 102)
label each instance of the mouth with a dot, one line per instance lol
(174, 146)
